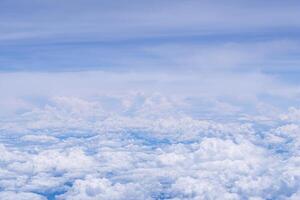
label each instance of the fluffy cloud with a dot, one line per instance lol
(144, 147)
(20, 196)
(92, 189)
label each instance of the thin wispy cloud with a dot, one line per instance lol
(76, 35)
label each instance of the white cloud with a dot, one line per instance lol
(92, 189)
(144, 147)
(203, 114)
(39, 138)
(292, 115)
(20, 196)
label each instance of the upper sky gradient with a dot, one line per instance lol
(78, 35)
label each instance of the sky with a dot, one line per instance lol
(162, 99)
(121, 35)
(192, 47)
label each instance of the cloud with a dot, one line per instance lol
(21, 196)
(293, 115)
(100, 35)
(194, 100)
(104, 19)
(201, 92)
(91, 188)
(144, 147)
(39, 138)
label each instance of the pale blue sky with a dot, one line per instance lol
(233, 51)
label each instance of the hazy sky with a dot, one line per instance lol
(233, 51)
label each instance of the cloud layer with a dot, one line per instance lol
(146, 147)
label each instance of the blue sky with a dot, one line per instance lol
(140, 35)
(236, 50)
(226, 50)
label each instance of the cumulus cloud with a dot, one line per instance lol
(20, 196)
(91, 188)
(144, 147)
(292, 115)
